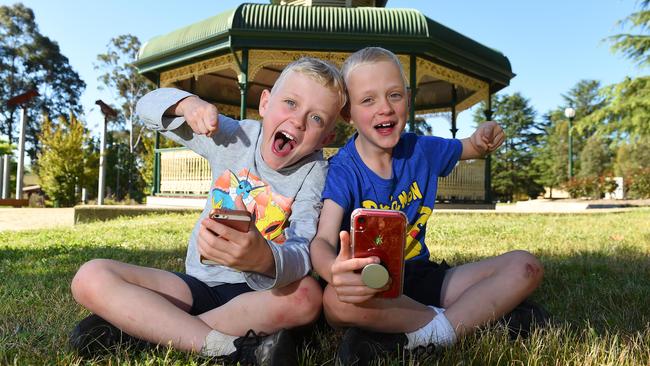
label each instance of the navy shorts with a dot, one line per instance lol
(206, 298)
(423, 280)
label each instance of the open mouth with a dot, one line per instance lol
(283, 143)
(385, 128)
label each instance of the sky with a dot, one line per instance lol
(551, 44)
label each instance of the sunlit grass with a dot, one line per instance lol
(597, 287)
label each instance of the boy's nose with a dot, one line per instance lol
(385, 107)
(299, 120)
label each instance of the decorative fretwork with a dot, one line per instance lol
(219, 63)
(258, 59)
(234, 111)
(428, 68)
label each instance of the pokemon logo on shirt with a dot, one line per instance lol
(271, 209)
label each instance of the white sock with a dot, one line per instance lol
(218, 344)
(438, 332)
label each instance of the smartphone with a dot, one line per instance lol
(380, 233)
(239, 220)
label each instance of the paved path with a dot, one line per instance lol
(13, 219)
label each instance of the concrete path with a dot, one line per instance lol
(14, 219)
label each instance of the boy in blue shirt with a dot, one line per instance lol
(382, 168)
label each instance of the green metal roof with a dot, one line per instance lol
(267, 26)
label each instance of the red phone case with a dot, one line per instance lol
(381, 233)
(239, 220)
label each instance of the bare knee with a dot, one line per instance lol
(86, 285)
(302, 303)
(526, 266)
(341, 314)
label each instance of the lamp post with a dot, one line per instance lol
(570, 113)
(21, 100)
(108, 113)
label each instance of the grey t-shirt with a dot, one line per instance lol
(286, 202)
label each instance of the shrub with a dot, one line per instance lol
(639, 183)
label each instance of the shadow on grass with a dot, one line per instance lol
(606, 293)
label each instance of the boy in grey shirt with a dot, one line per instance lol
(273, 169)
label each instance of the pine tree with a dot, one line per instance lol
(513, 175)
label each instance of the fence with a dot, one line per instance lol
(185, 173)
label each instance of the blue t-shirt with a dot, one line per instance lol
(418, 161)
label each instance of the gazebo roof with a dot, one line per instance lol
(322, 28)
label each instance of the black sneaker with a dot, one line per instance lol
(94, 336)
(262, 350)
(360, 347)
(521, 320)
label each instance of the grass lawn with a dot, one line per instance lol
(597, 287)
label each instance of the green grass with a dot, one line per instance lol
(597, 286)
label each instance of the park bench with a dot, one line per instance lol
(14, 202)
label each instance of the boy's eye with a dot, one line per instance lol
(290, 103)
(316, 118)
(366, 101)
(395, 96)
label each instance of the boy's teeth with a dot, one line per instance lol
(289, 137)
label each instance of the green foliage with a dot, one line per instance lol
(636, 47)
(552, 153)
(639, 183)
(343, 131)
(596, 157)
(628, 103)
(30, 60)
(5, 147)
(627, 112)
(513, 175)
(63, 160)
(632, 156)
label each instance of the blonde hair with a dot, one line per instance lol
(323, 72)
(371, 55)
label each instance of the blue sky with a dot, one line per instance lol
(551, 44)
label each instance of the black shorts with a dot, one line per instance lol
(206, 298)
(423, 280)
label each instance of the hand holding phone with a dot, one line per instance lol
(239, 220)
(380, 233)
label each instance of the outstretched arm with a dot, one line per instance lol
(339, 270)
(487, 138)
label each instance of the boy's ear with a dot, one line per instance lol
(345, 112)
(264, 102)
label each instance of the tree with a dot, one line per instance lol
(595, 158)
(30, 60)
(513, 175)
(636, 47)
(628, 103)
(122, 78)
(550, 156)
(62, 161)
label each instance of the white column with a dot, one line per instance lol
(102, 166)
(21, 154)
(5, 173)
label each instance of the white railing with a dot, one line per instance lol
(185, 173)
